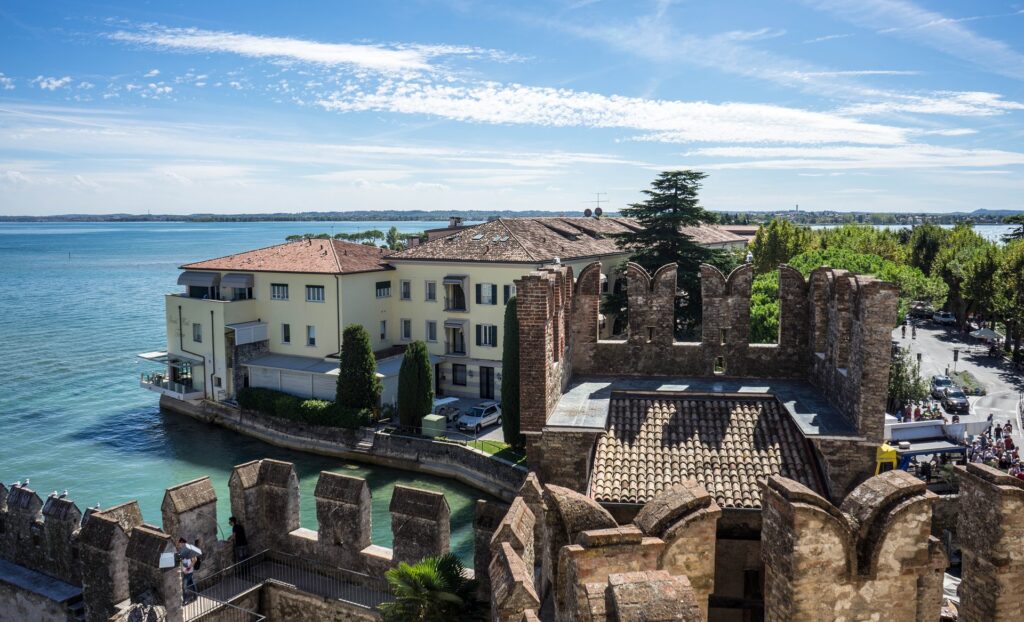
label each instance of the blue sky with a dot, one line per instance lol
(182, 107)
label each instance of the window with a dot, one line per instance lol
(197, 332)
(383, 330)
(286, 333)
(241, 293)
(279, 291)
(486, 294)
(383, 289)
(508, 292)
(314, 293)
(405, 290)
(431, 291)
(459, 374)
(486, 335)
(311, 335)
(431, 330)
(406, 330)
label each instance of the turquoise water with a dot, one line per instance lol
(78, 301)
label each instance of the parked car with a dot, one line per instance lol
(944, 317)
(480, 417)
(954, 401)
(939, 386)
(920, 309)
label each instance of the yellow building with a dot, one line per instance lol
(273, 317)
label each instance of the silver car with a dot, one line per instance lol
(480, 417)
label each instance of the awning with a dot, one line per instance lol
(455, 279)
(236, 279)
(455, 323)
(163, 357)
(199, 279)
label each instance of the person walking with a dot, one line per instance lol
(904, 327)
(240, 542)
(188, 567)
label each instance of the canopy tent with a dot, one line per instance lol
(987, 334)
(199, 279)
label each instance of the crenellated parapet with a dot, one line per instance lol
(343, 513)
(652, 302)
(148, 582)
(991, 532)
(872, 556)
(265, 498)
(420, 524)
(40, 534)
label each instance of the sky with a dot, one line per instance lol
(227, 107)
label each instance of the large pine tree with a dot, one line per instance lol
(672, 203)
(415, 386)
(358, 385)
(510, 377)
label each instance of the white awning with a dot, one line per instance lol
(163, 357)
(199, 279)
(455, 323)
(455, 279)
(236, 279)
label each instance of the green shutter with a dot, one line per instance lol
(506, 290)
(479, 290)
(494, 336)
(479, 332)
(494, 294)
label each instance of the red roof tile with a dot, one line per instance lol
(306, 256)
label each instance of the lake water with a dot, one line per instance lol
(78, 301)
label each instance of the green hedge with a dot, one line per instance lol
(315, 412)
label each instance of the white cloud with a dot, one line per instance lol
(6, 83)
(953, 103)
(666, 120)
(930, 29)
(803, 75)
(403, 58)
(85, 86)
(51, 84)
(754, 35)
(152, 73)
(13, 178)
(828, 38)
(909, 156)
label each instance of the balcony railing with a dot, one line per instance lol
(454, 304)
(161, 384)
(455, 349)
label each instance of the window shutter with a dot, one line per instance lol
(479, 290)
(479, 332)
(494, 336)
(494, 294)
(506, 290)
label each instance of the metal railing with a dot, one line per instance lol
(454, 305)
(304, 574)
(160, 381)
(199, 606)
(454, 348)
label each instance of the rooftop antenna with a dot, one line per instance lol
(597, 201)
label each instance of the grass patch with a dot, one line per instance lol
(499, 449)
(968, 382)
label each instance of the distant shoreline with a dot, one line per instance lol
(979, 217)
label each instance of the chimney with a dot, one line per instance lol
(454, 221)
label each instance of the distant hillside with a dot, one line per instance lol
(388, 215)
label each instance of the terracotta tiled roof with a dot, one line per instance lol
(726, 444)
(712, 235)
(307, 256)
(523, 240)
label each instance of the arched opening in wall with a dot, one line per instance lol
(765, 308)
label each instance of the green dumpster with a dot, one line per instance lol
(433, 426)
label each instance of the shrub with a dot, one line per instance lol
(314, 412)
(358, 385)
(415, 386)
(317, 412)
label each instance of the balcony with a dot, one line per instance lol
(455, 348)
(457, 303)
(159, 383)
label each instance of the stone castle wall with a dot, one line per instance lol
(113, 556)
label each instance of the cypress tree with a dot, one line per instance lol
(671, 203)
(510, 377)
(415, 386)
(358, 385)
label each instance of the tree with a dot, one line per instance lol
(1018, 233)
(434, 589)
(672, 203)
(415, 386)
(393, 239)
(510, 377)
(776, 242)
(863, 239)
(1009, 296)
(925, 242)
(960, 264)
(905, 381)
(358, 385)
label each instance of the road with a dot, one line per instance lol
(936, 344)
